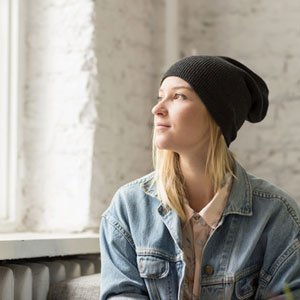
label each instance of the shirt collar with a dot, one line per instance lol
(212, 212)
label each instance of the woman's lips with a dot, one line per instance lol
(161, 125)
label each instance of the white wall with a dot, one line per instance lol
(130, 41)
(91, 77)
(264, 34)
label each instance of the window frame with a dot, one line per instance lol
(10, 77)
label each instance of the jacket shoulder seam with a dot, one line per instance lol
(116, 225)
(290, 209)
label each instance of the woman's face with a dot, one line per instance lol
(181, 120)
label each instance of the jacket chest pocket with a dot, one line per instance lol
(155, 272)
(153, 267)
(246, 287)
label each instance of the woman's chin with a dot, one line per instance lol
(162, 146)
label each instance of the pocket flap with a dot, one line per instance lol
(247, 286)
(152, 267)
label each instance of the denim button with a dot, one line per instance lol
(209, 270)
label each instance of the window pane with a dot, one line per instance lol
(9, 90)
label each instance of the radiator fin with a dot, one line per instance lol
(31, 280)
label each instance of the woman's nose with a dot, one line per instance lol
(159, 109)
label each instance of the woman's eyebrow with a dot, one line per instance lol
(178, 87)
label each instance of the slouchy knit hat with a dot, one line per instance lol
(231, 92)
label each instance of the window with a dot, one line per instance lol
(9, 103)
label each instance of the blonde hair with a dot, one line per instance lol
(169, 178)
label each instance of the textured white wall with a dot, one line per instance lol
(265, 35)
(91, 78)
(130, 41)
(60, 115)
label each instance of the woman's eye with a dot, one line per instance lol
(179, 96)
(176, 96)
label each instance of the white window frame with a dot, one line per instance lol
(10, 87)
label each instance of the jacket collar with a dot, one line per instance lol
(240, 199)
(169, 217)
(149, 187)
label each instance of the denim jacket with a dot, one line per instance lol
(252, 254)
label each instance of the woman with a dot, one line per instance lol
(200, 226)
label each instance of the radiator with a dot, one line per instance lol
(32, 279)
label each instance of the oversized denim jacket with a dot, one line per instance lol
(252, 254)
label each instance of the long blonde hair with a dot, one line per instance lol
(169, 178)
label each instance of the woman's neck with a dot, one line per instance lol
(197, 182)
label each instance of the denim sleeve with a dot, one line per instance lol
(285, 275)
(120, 278)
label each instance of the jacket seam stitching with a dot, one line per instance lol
(157, 253)
(288, 206)
(280, 261)
(120, 229)
(284, 257)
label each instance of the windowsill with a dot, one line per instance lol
(30, 245)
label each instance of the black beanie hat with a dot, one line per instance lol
(231, 92)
